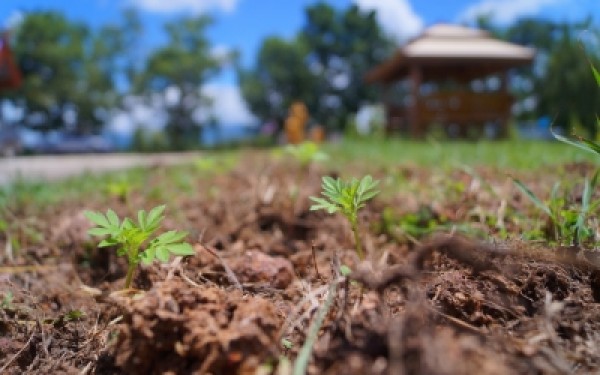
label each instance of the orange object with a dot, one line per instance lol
(296, 123)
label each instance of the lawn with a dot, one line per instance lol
(465, 272)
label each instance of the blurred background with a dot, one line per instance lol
(154, 75)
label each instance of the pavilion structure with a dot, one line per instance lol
(452, 76)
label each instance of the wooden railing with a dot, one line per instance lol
(464, 109)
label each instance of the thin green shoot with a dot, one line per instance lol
(301, 363)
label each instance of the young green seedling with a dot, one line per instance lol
(306, 153)
(348, 198)
(130, 237)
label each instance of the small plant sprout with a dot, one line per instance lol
(129, 238)
(306, 153)
(348, 198)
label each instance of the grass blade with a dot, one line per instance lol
(525, 190)
(304, 355)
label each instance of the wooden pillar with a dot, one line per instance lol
(386, 92)
(416, 130)
(503, 131)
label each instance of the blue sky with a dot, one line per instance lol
(243, 24)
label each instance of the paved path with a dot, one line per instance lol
(56, 167)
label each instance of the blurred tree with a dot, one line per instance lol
(178, 71)
(343, 45)
(70, 72)
(560, 81)
(50, 51)
(568, 92)
(279, 77)
(323, 67)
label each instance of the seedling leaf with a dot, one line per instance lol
(181, 249)
(97, 218)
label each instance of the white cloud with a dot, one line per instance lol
(229, 106)
(505, 11)
(395, 16)
(14, 19)
(194, 6)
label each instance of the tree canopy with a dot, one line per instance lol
(322, 66)
(181, 68)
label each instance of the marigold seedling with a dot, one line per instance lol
(347, 198)
(306, 153)
(130, 237)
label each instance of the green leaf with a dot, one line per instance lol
(345, 270)
(581, 143)
(100, 231)
(127, 224)
(596, 74)
(73, 315)
(162, 254)
(154, 217)
(286, 343)
(533, 198)
(368, 195)
(322, 204)
(170, 237)
(147, 257)
(97, 218)
(181, 249)
(142, 219)
(112, 217)
(108, 242)
(329, 183)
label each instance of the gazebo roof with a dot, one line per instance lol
(445, 50)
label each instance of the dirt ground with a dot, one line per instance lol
(473, 301)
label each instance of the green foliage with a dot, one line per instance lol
(301, 363)
(581, 142)
(559, 78)
(120, 189)
(145, 140)
(332, 42)
(68, 67)
(7, 299)
(569, 224)
(279, 78)
(306, 153)
(570, 221)
(347, 198)
(183, 65)
(287, 344)
(348, 40)
(129, 238)
(345, 270)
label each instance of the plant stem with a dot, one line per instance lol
(130, 270)
(357, 243)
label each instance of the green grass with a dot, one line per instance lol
(366, 153)
(511, 154)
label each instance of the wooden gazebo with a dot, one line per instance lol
(446, 69)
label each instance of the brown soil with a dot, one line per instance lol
(441, 304)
